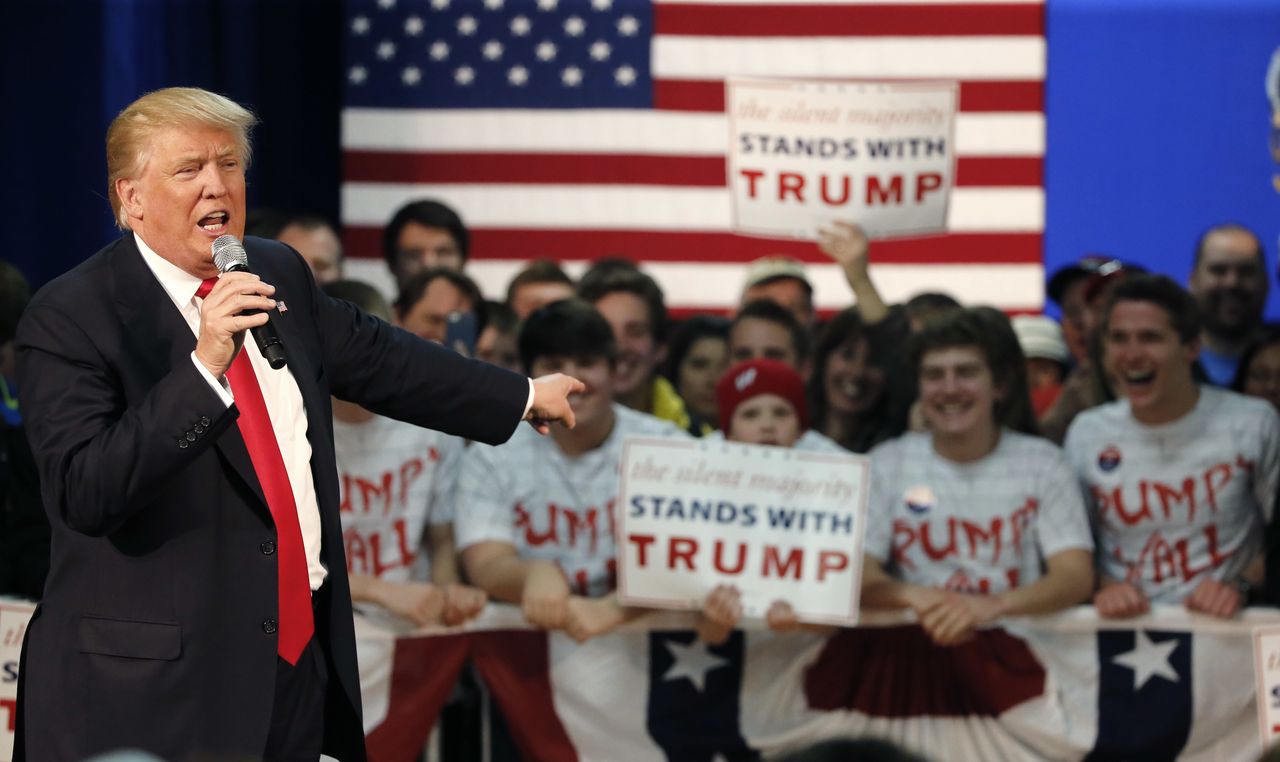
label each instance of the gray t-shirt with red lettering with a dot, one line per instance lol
(1177, 501)
(980, 527)
(527, 492)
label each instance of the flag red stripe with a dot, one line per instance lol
(613, 169)
(490, 243)
(785, 20)
(981, 96)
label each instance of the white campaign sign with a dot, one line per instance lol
(14, 615)
(776, 523)
(803, 154)
(1266, 670)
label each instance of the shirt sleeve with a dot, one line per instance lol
(1267, 471)
(878, 541)
(444, 485)
(485, 497)
(1062, 522)
(219, 385)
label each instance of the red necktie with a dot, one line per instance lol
(296, 623)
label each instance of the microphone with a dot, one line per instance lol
(229, 256)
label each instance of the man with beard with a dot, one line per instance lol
(1229, 282)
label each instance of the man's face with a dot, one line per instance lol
(703, 364)
(319, 246)
(531, 296)
(766, 419)
(755, 338)
(957, 391)
(1230, 284)
(638, 353)
(498, 348)
(589, 406)
(785, 292)
(1146, 359)
(189, 192)
(1076, 320)
(429, 316)
(420, 248)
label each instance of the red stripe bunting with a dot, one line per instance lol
(848, 20)
(488, 243)
(614, 169)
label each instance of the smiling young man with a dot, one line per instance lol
(535, 525)
(1182, 476)
(972, 520)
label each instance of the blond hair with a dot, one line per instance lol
(128, 137)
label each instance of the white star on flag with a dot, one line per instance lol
(1148, 659)
(386, 5)
(411, 75)
(571, 76)
(520, 26)
(546, 50)
(464, 75)
(625, 76)
(574, 26)
(693, 661)
(517, 75)
(360, 25)
(413, 26)
(493, 5)
(493, 50)
(358, 75)
(439, 50)
(386, 50)
(600, 50)
(440, 5)
(627, 26)
(602, 5)
(547, 5)
(467, 26)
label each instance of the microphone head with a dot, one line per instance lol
(229, 254)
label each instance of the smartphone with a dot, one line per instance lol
(460, 333)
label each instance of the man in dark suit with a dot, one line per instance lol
(197, 603)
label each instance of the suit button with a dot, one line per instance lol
(182, 444)
(204, 420)
(191, 436)
(269, 626)
(267, 548)
(199, 429)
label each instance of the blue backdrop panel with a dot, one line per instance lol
(1157, 128)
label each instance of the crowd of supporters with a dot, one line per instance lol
(1128, 455)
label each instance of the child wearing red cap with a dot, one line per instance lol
(761, 402)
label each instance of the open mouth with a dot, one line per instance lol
(215, 222)
(1139, 379)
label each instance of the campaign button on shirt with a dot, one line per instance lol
(919, 499)
(1109, 459)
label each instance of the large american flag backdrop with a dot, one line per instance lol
(575, 129)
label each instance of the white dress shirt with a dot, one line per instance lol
(279, 391)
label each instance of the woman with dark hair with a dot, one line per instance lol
(859, 395)
(698, 355)
(974, 519)
(1258, 374)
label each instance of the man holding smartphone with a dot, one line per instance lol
(444, 306)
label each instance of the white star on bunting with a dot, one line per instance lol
(693, 661)
(1148, 660)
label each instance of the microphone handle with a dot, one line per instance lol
(265, 335)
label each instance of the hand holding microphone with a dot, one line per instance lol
(239, 301)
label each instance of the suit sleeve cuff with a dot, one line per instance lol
(223, 389)
(528, 405)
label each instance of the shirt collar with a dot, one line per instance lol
(179, 284)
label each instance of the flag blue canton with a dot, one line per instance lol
(498, 54)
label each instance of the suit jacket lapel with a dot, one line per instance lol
(163, 340)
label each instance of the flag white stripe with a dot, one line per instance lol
(647, 207)
(718, 285)
(623, 131)
(971, 58)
